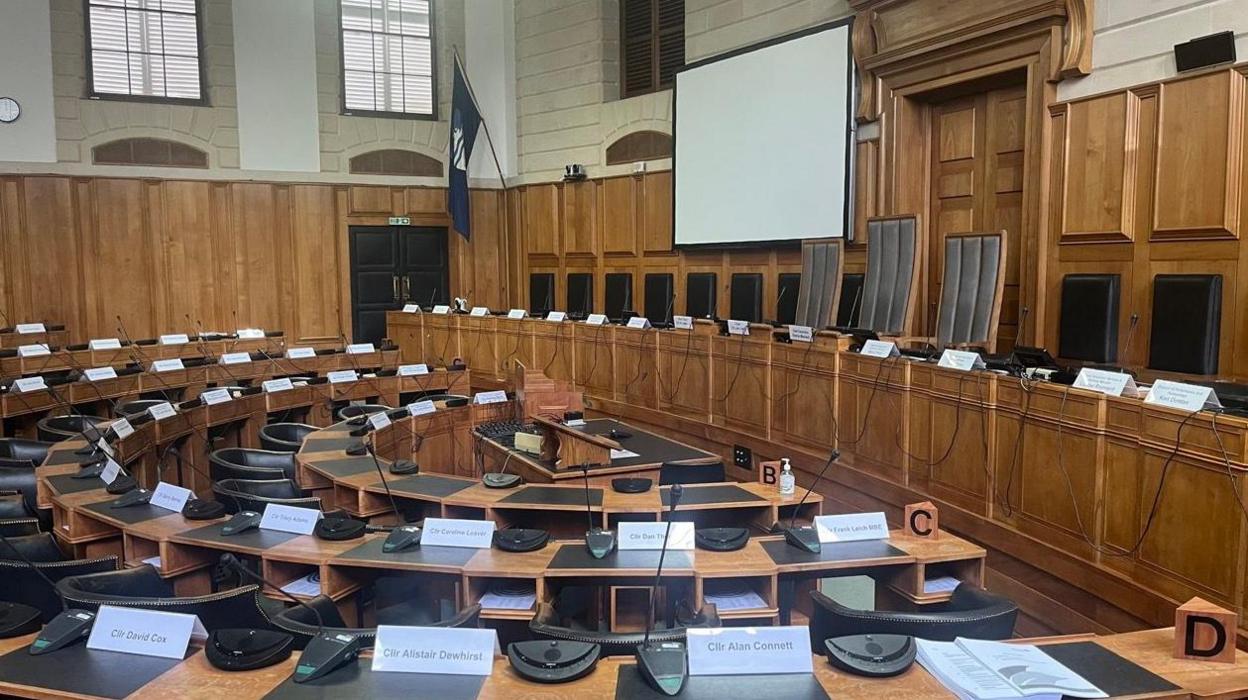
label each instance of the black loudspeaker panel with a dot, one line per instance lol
(658, 296)
(1205, 51)
(701, 294)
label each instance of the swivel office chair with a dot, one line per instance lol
(300, 622)
(819, 295)
(255, 494)
(19, 584)
(359, 409)
(971, 612)
(247, 463)
(142, 587)
(58, 428)
(284, 437)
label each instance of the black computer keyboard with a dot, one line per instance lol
(503, 431)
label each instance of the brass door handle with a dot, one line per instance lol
(395, 285)
(407, 288)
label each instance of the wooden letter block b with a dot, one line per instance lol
(923, 520)
(769, 473)
(1204, 632)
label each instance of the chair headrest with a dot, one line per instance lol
(39, 547)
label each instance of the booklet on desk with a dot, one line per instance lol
(975, 669)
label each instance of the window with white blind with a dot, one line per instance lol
(145, 49)
(387, 57)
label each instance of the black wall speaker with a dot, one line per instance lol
(658, 296)
(746, 297)
(1187, 323)
(1205, 51)
(701, 294)
(786, 298)
(1088, 329)
(619, 295)
(580, 294)
(541, 293)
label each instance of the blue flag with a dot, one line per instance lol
(465, 120)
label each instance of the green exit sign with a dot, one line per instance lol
(400, 221)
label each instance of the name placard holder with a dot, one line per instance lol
(170, 497)
(249, 334)
(171, 365)
(27, 384)
(683, 323)
(452, 532)
(212, 397)
(360, 348)
(162, 411)
(557, 316)
(962, 360)
(144, 632)
(412, 370)
(111, 470)
(650, 536)
(421, 408)
(272, 386)
(738, 327)
(880, 348)
(35, 350)
(175, 339)
(455, 651)
(516, 314)
(596, 320)
(479, 311)
(342, 375)
(484, 397)
(104, 344)
(30, 328)
(122, 428)
(640, 323)
(1108, 383)
(300, 521)
(96, 374)
(235, 358)
(411, 308)
(1185, 397)
(300, 353)
(801, 334)
(379, 420)
(441, 309)
(733, 651)
(851, 527)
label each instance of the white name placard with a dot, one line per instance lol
(450, 532)
(342, 375)
(28, 328)
(516, 314)
(34, 350)
(738, 327)
(175, 339)
(684, 323)
(411, 308)
(212, 397)
(235, 358)
(459, 652)
(851, 527)
(413, 370)
(105, 344)
(301, 521)
(379, 420)
(96, 374)
(144, 632)
(1108, 383)
(639, 322)
(961, 360)
(360, 348)
(1185, 397)
(479, 311)
(111, 469)
(421, 408)
(170, 497)
(729, 651)
(250, 333)
(596, 319)
(557, 316)
(122, 428)
(441, 309)
(880, 348)
(801, 334)
(483, 397)
(106, 448)
(162, 411)
(300, 353)
(273, 386)
(168, 365)
(26, 384)
(650, 536)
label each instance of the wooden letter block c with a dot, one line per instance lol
(923, 520)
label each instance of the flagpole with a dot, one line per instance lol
(484, 125)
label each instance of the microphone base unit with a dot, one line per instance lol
(871, 655)
(401, 538)
(552, 661)
(804, 537)
(324, 654)
(241, 522)
(499, 480)
(599, 542)
(66, 628)
(247, 649)
(664, 665)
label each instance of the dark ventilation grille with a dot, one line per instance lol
(147, 151)
(394, 161)
(652, 44)
(639, 145)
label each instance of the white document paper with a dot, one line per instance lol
(153, 561)
(619, 454)
(743, 600)
(987, 670)
(111, 471)
(940, 584)
(306, 586)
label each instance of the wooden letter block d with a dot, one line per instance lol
(1204, 632)
(923, 520)
(769, 473)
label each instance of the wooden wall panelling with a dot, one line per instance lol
(656, 212)
(479, 347)
(319, 263)
(595, 358)
(121, 279)
(369, 200)
(635, 366)
(579, 217)
(441, 339)
(620, 209)
(872, 409)
(742, 390)
(426, 201)
(477, 265)
(554, 349)
(866, 186)
(1200, 157)
(684, 372)
(960, 438)
(44, 222)
(260, 238)
(542, 218)
(196, 271)
(804, 383)
(515, 345)
(1097, 168)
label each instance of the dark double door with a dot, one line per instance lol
(392, 266)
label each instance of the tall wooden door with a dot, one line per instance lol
(977, 186)
(392, 266)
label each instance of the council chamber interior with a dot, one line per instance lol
(623, 348)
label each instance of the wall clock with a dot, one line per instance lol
(10, 110)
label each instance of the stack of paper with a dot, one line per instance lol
(510, 596)
(727, 597)
(975, 669)
(308, 586)
(942, 584)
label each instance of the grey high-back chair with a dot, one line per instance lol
(819, 295)
(890, 290)
(971, 288)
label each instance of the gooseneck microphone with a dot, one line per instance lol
(664, 665)
(667, 315)
(1126, 349)
(598, 541)
(806, 537)
(326, 651)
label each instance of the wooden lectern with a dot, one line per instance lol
(567, 447)
(539, 395)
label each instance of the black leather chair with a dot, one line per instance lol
(359, 409)
(253, 494)
(19, 584)
(1187, 323)
(971, 612)
(820, 291)
(1088, 326)
(142, 587)
(18, 459)
(20, 449)
(19, 527)
(245, 463)
(302, 623)
(58, 428)
(284, 437)
(676, 473)
(890, 288)
(546, 625)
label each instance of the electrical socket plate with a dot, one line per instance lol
(742, 457)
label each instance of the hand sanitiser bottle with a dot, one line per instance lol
(788, 482)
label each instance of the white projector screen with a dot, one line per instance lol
(763, 138)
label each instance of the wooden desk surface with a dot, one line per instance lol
(195, 679)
